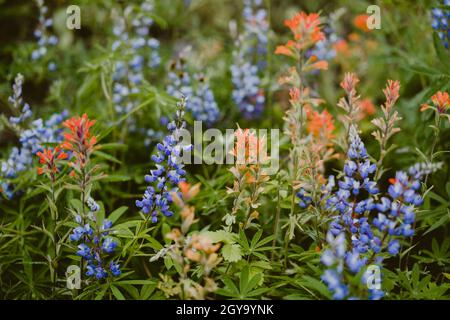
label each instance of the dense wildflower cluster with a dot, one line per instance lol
(249, 61)
(317, 217)
(136, 51)
(373, 226)
(440, 22)
(95, 244)
(43, 37)
(31, 141)
(201, 102)
(32, 136)
(169, 170)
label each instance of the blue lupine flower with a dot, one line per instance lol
(394, 247)
(109, 245)
(169, 170)
(78, 232)
(200, 98)
(440, 21)
(90, 270)
(107, 224)
(324, 49)
(95, 243)
(115, 269)
(93, 206)
(249, 61)
(394, 216)
(84, 251)
(354, 262)
(21, 108)
(135, 52)
(100, 273)
(43, 37)
(305, 200)
(32, 135)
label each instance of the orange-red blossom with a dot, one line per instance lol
(249, 149)
(49, 158)
(321, 125)
(79, 139)
(441, 102)
(361, 22)
(307, 32)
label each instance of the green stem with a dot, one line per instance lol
(138, 231)
(275, 227)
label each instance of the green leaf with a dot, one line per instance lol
(316, 285)
(442, 53)
(232, 252)
(116, 292)
(116, 214)
(220, 236)
(116, 178)
(106, 156)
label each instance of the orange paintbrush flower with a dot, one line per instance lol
(79, 133)
(361, 22)
(366, 108)
(79, 140)
(342, 47)
(391, 92)
(441, 102)
(49, 158)
(249, 149)
(305, 27)
(349, 83)
(307, 32)
(321, 125)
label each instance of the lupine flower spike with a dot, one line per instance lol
(200, 100)
(441, 22)
(44, 39)
(95, 245)
(135, 51)
(168, 172)
(374, 227)
(249, 61)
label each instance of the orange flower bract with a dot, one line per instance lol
(321, 125)
(49, 158)
(361, 22)
(79, 140)
(307, 32)
(441, 101)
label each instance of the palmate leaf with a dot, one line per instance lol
(247, 285)
(231, 252)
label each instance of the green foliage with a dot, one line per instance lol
(273, 250)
